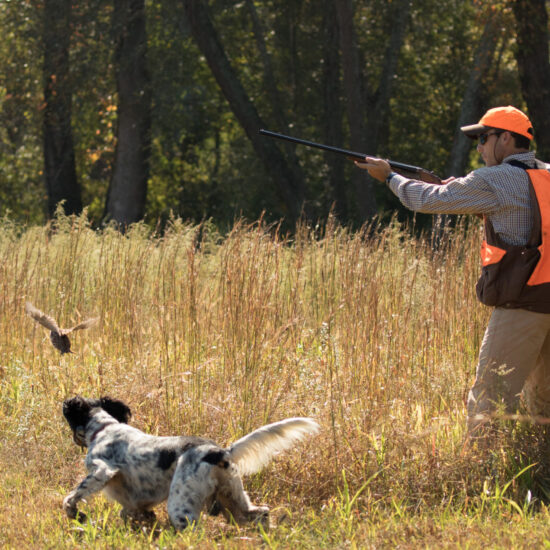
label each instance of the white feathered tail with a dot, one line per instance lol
(253, 451)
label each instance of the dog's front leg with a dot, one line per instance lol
(100, 474)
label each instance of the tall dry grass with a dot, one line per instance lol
(374, 333)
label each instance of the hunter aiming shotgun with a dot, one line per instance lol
(406, 170)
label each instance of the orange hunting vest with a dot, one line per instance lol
(519, 276)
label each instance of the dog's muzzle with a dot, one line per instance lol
(79, 437)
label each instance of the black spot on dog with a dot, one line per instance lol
(166, 458)
(217, 458)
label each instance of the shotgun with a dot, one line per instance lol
(407, 170)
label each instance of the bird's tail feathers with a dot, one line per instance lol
(253, 451)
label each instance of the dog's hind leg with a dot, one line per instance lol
(192, 487)
(95, 481)
(235, 502)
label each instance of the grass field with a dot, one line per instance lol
(373, 333)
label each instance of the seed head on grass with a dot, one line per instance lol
(58, 336)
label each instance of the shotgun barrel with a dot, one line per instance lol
(407, 170)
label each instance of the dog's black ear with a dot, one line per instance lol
(116, 408)
(77, 411)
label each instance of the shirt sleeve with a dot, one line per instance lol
(471, 194)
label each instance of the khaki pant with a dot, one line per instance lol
(514, 357)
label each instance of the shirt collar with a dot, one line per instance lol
(527, 157)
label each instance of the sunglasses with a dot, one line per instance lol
(484, 137)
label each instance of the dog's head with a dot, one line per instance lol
(78, 411)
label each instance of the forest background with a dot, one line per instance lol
(133, 109)
(147, 109)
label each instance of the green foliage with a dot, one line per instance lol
(21, 187)
(94, 101)
(202, 163)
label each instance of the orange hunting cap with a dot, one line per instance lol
(502, 118)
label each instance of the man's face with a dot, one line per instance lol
(489, 147)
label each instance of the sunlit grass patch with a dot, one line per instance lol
(374, 333)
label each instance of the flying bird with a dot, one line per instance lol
(58, 336)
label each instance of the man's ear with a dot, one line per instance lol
(506, 137)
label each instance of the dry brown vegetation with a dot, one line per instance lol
(374, 333)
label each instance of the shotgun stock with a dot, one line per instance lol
(407, 170)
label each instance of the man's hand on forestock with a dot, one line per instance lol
(378, 168)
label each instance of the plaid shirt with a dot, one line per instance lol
(500, 192)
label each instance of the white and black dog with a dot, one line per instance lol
(140, 470)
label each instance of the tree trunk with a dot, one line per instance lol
(368, 110)
(59, 159)
(284, 175)
(270, 82)
(128, 187)
(333, 134)
(534, 68)
(271, 88)
(378, 107)
(474, 103)
(356, 107)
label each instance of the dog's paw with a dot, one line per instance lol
(260, 516)
(81, 517)
(70, 507)
(181, 522)
(74, 513)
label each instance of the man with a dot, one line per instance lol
(510, 192)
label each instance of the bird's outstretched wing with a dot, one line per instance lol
(85, 324)
(42, 318)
